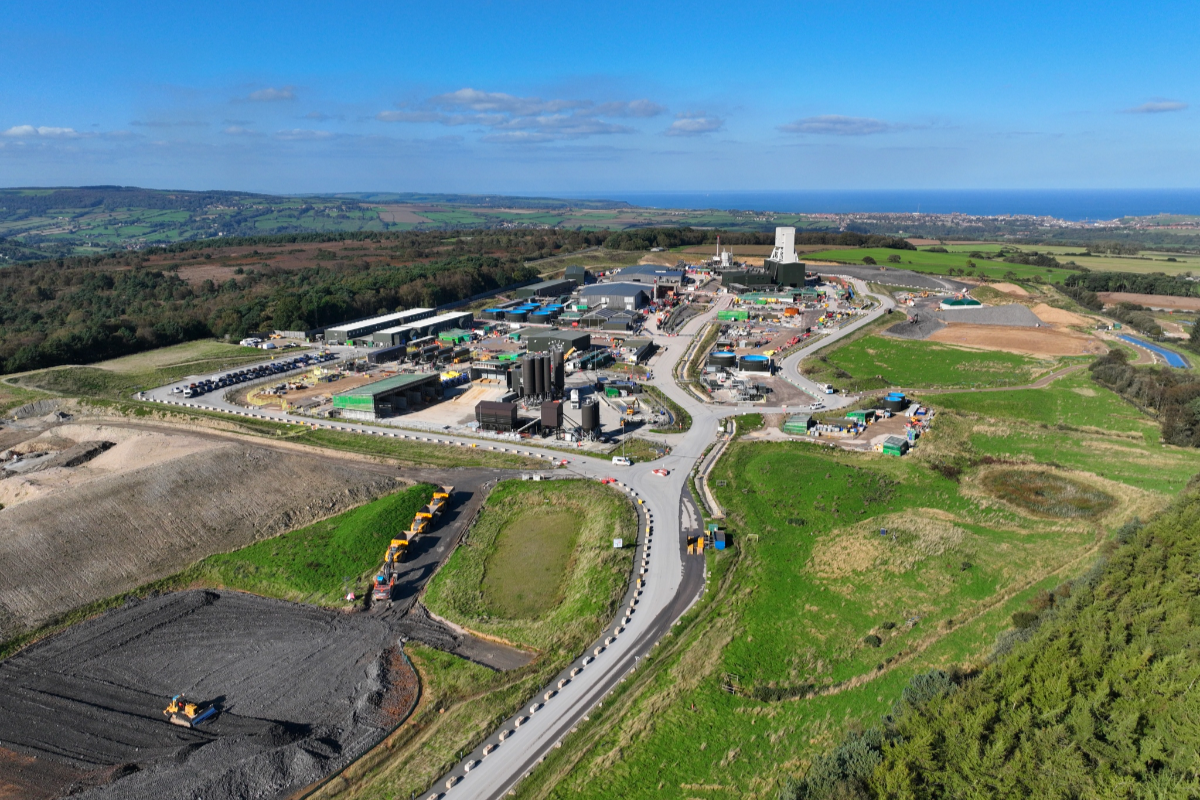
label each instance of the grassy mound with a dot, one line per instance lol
(1048, 494)
(538, 567)
(311, 564)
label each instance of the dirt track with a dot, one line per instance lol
(1028, 341)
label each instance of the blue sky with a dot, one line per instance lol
(600, 97)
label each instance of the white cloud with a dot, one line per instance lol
(302, 134)
(1157, 107)
(509, 118)
(192, 123)
(272, 95)
(694, 124)
(837, 125)
(238, 130)
(321, 116)
(30, 131)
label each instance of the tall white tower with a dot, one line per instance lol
(785, 246)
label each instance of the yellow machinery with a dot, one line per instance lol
(695, 545)
(419, 525)
(187, 715)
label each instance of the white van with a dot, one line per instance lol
(622, 461)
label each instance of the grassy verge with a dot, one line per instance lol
(683, 420)
(461, 702)
(942, 263)
(417, 453)
(493, 583)
(879, 362)
(637, 449)
(696, 362)
(315, 564)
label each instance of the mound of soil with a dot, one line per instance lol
(1026, 341)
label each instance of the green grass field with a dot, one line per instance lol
(119, 378)
(538, 567)
(878, 362)
(310, 565)
(941, 263)
(1073, 400)
(822, 620)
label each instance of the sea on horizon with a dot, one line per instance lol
(1067, 204)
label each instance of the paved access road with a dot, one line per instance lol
(671, 580)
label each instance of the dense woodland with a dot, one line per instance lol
(86, 309)
(1139, 283)
(1090, 695)
(1173, 395)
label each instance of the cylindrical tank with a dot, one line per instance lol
(894, 405)
(516, 316)
(540, 317)
(539, 374)
(755, 363)
(560, 373)
(590, 416)
(722, 358)
(548, 371)
(527, 380)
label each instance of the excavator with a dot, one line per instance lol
(185, 714)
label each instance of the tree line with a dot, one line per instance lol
(1134, 282)
(646, 238)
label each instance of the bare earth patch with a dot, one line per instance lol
(1150, 300)
(1026, 341)
(1058, 316)
(1009, 288)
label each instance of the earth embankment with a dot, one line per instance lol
(149, 506)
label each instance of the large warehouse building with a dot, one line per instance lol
(629, 296)
(537, 341)
(660, 281)
(388, 396)
(546, 289)
(426, 326)
(363, 328)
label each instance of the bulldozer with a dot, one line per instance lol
(185, 714)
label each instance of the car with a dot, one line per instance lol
(608, 480)
(562, 463)
(662, 473)
(622, 461)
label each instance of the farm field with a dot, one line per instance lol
(878, 362)
(814, 622)
(941, 263)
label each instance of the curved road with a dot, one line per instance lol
(671, 580)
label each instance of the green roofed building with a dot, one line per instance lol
(798, 424)
(733, 314)
(389, 396)
(454, 336)
(895, 446)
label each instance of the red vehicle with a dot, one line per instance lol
(608, 480)
(384, 583)
(662, 473)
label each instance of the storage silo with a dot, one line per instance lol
(516, 315)
(560, 374)
(722, 358)
(590, 417)
(527, 379)
(548, 371)
(752, 363)
(539, 374)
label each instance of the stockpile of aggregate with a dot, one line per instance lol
(301, 692)
(928, 326)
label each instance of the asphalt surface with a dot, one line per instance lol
(671, 580)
